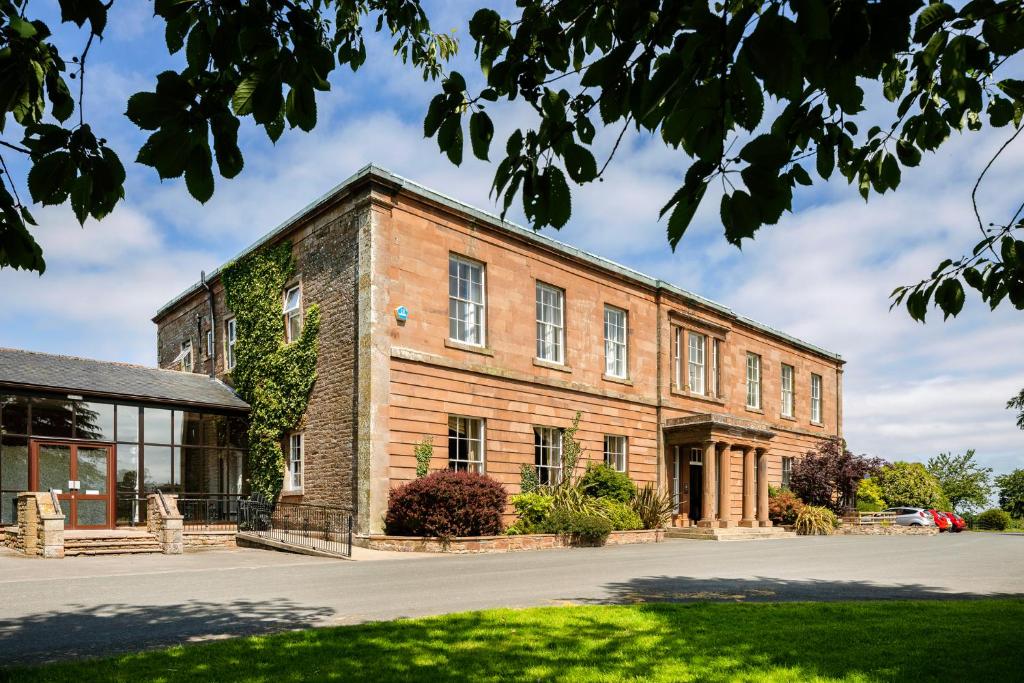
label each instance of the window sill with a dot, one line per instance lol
(759, 411)
(471, 348)
(818, 424)
(291, 492)
(618, 380)
(697, 397)
(551, 365)
(788, 418)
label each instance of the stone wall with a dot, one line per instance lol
(885, 530)
(496, 544)
(203, 540)
(40, 526)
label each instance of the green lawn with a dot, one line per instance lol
(848, 641)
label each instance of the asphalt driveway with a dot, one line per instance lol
(56, 609)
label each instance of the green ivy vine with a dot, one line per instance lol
(273, 377)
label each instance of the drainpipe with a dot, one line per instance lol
(213, 324)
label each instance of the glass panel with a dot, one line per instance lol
(156, 425)
(235, 468)
(198, 470)
(54, 464)
(91, 512)
(128, 423)
(52, 417)
(94, 421)
(8, 507)
(13, 476)
(14, 414)
(92, 469)
(158, 468)
(127, 468)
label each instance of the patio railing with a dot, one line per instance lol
(317, 527)
(209, 511)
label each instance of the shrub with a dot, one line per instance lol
(583, 528)
(869, 497)
(602, 481)
(424, 451)
(815, 520)
(910, 484)
(1011, 492)
(528, 480)
(783, 507)
(993, 519)
(654, 508)
(829, 476)
(532, 509)
(621, 515)
(446, 504)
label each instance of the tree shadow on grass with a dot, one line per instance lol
(77, 631)
(948, 640)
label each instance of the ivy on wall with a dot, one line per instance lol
(273, 377)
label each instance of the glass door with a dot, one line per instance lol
(81, 475)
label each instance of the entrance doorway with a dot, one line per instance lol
(82, 476)
(696, 490)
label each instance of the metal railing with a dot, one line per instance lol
(317, 527)
(209, 511)
(868, 518)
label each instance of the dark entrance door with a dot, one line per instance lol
(82, 475)
(696, 490)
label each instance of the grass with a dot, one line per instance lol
(843, 641)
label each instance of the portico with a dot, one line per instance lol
(718, 470)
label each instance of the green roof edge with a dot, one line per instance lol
(497, 221)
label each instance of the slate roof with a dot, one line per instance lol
(70, 375)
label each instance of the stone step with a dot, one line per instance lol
(137, 550)
(729, 534)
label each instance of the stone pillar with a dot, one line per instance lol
(40, 525)
(749, 493)
(724, 503)
(762, 488)
(164, 520)
(707, 508)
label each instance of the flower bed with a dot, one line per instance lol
(497, 544)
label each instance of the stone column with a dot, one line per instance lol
(724, 503)
(707, 508)
(749, 493)
(762, 488)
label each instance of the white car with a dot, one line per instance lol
(912, 516)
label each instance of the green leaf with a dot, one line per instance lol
(766, 150)
(147, 110)
(825, 160)
(973, 278)
(481, 131)
(50, 178)
(435, 115)
(909, 154)
(23, 28)
(300, 107)
(197, 51)
(199, 173)
(950, 297)
(559, 197)
(930, 19)
(242, 99)
(580, 163)
(740, 216)
(449, 138)
(81, 196)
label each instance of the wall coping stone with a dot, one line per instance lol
(496, 544)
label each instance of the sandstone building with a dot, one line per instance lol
(441, 320)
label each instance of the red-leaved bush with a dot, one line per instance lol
(783, 508)
(446, 504)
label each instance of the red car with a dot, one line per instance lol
(941, 520)
(957, 523)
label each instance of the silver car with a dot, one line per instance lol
(912, 516)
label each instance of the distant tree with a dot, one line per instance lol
(966, 484)
(1017, 403)
(1011, 492)
(830, 475)
(910, 484)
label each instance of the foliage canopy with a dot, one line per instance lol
(966, 484)
(829, 476)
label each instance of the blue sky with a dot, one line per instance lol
(823, 274)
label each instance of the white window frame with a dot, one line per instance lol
(296, 462)
(786, 376)
(470, 431)
(677, 358)
(696, 456)
(230, 337)
(464, 308)
(696, 362)
(616, 342)
(815, 398)
(292, 313)
(787, 471)
(753, 381)
(547, 454)
(550, 309)
(209, 343)
(716, 381)
(616, 452)
(185, 359)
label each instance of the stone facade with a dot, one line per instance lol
(378, 242)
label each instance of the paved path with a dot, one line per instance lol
(53, 609)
